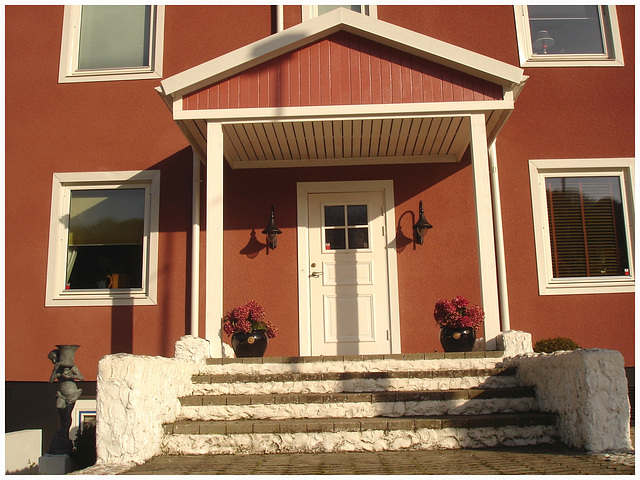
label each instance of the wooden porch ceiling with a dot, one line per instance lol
(282, 143)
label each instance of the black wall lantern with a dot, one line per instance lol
(421, 226)
(271, 231)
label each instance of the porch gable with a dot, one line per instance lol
(342, 69)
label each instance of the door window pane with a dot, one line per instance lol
(357, 215)
(334, 216)
(114, 36)
(358, 238)
(335, 239)
(586, 225)
(106, 236)
(566, 29)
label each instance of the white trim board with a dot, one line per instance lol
(342, 112)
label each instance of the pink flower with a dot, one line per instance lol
(443, 309)
(228, 328)
(243, 326)
(457, 314)
(256, 311)
(241, 312)
(272, 331)
(246, 318)
(460, 302)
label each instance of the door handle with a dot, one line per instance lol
(315, 274)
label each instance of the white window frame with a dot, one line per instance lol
(538, 171)
(69, 72)
(613, 45)
(63, 183)
(311, 11)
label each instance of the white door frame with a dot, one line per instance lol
(304, 307)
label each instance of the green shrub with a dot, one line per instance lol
(84, 447)
(550, 345)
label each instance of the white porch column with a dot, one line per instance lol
(195, 246)
(486, 239)
(214, 244)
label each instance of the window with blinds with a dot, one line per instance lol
(115, 36)
(111, 42)
(586, 226)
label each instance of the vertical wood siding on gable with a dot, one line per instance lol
(342, 69)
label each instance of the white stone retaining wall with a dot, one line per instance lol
(588, 390)
(135, 396)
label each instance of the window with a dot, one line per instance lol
(103, 239)
(583, 220)
(111, 42)
(346, 227)
(568, 35)
(312, 11)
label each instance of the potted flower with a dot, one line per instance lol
(249, 330)
(458, 322)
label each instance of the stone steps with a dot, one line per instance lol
(373, 373)
(356, 403)
(335, 425)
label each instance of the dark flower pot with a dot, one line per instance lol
(457, 339)
(252, 344)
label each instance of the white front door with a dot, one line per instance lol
(348, 275)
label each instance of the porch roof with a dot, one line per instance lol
(265, 126)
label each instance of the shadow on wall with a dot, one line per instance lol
(402, 239)
(253, 246)
(173, 266)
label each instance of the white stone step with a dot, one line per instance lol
(335, 375)
(358, 405)
(309, 436)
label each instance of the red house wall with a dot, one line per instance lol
(446, 265)
(98, 126)
(562, 113)
(591, 117)
(103, 126)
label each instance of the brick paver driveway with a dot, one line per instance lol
(531, 460)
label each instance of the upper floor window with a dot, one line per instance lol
(568, 35)
(111, 42)
(583, 219)
(312, 11)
